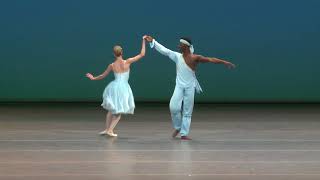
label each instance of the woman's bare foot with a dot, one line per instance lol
(103, 132)
(110, 133)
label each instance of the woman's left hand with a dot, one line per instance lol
(90, 76)
(230, 65)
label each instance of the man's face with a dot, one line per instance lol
(182, 47)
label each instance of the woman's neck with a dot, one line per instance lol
(119, 58)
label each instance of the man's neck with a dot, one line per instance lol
(186, 53)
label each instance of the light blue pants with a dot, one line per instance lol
(181, 107)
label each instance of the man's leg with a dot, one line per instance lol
(188, 102)
(176, 110)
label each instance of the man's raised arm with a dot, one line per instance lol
(161, 49)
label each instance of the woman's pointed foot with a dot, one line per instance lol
(103, 132)
(111, 134)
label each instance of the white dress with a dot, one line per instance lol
(117, 96)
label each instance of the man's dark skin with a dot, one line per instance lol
(192, 60)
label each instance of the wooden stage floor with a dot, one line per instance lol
(230, 142)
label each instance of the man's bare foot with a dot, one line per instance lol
(185, 138)
(175, 133)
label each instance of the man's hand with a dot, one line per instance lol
(148, 38)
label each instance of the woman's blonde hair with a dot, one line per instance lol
(117, 50)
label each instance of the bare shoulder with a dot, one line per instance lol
(196, 57)
(110, 66)
(125, 62)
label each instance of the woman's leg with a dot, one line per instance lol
(108, 121)
(114, 121)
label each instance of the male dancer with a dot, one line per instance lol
(186, 82)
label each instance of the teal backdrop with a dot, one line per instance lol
(47, 46)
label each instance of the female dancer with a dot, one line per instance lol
(117, 96)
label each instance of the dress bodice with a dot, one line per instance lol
(124, 76)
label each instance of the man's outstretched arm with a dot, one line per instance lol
(203, 59)
(161, 49)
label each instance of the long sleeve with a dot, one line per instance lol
(164, 51)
